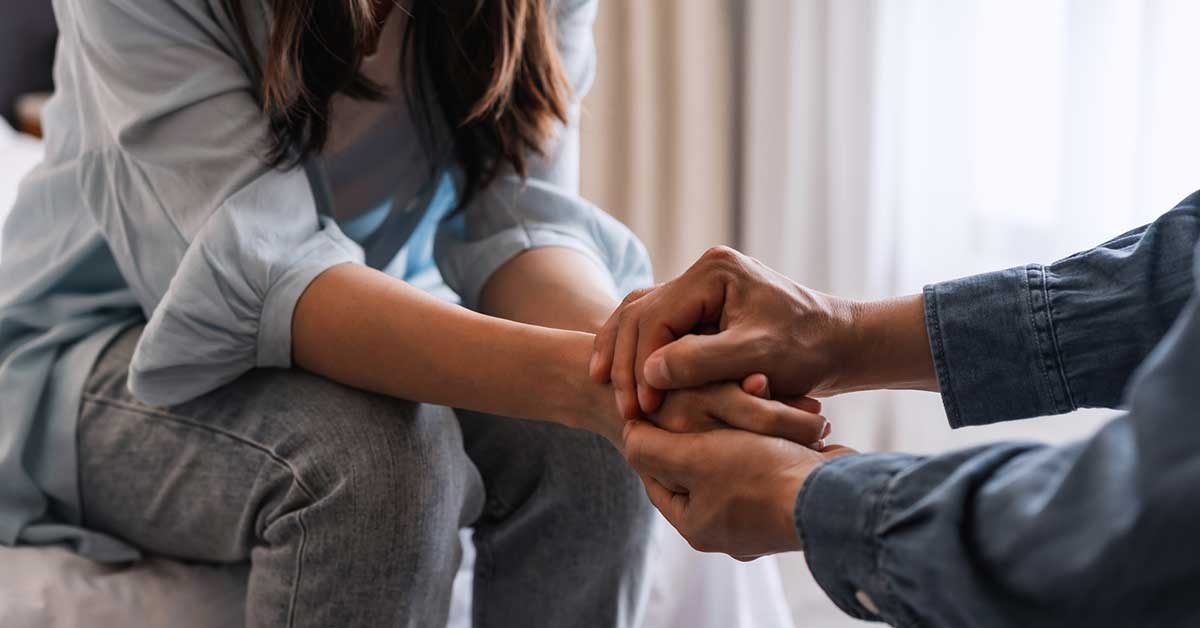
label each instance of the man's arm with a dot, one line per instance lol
(1019, 343)
(1042, 340)
(1098, 533)
(805, 342)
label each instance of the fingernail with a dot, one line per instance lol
(622, 407)
(656, 369)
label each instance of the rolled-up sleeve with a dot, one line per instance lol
(513, 215)
(216, 245)
(1100, 532)
(1094, 533)
(229, 307)
(1041, 340)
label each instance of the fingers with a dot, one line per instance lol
(820, 445)
(661, 314)
(650, 336)
(672, 505)
(622, 374)
(659, 453)
(770, 418)
(807, 404)
(604, 344)
(834, 451)
(757, 385)
(697, 360)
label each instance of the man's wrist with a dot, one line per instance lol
(885, 346)
(786, 506)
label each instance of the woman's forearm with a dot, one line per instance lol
(366, 329)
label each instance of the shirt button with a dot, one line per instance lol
(866, 602)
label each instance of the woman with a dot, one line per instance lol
(234, 194)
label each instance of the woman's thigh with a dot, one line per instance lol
(561, 502)
(213, 478)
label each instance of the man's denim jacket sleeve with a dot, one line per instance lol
(1101, 532)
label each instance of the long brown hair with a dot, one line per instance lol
(489, 68)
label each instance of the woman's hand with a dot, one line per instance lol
(746, 407)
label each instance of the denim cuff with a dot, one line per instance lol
(994, 348)
(837, 516)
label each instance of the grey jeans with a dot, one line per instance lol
(347, 504)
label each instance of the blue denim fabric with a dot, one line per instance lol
(1101, 532)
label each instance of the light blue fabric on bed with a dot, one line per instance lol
(152, 203)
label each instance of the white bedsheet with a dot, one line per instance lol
(53, 588)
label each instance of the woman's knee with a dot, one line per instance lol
(578, 475)
(597, 478)
(596, 494)
(374, 456)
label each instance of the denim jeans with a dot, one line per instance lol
(347, 504)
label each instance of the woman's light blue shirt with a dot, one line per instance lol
(152, 203)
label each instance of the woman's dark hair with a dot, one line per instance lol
(490, 68)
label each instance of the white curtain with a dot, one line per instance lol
(893, 144)
(659, 127)
(659, 152)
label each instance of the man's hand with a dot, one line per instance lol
(806, 342)
(733, 491)
(766, 323)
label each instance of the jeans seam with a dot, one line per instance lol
(299, 572)
(208, 428)
(494, 508)
(483, 566)
(274, 457)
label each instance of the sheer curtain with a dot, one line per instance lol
(660, 124)
(893, 144)
(660, 153)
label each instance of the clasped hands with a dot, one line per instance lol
(742, 350)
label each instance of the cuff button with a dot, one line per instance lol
(866, 602)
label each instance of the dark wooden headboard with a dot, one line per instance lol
(27, 37)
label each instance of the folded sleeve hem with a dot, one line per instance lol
(837, 514)
(994, 348)
(274, 344)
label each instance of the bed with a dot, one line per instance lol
(53, 588)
